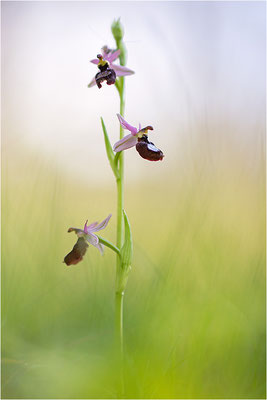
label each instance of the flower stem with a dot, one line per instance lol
(119, 339)
(119, 270)
(108, 244)
(120, 186)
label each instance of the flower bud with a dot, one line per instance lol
(117, 30)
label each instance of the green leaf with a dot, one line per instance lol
(118, 85)
(116, 158)
(126, 257)
(127, 248)
(109, 150)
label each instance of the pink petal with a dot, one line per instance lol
(102, 224)
(92, 239)
(121, 71)
(113, 56)
(127, 126)
(92, 225)
(95, 61)
(125, 143)
(92, 83)
(89, 228)
(100, 247)
(139, 129)
(85, 226)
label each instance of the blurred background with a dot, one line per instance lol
(195, 301)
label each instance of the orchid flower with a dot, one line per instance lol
(105, 74)
(87, 234)
(138, 138)
(110, 56)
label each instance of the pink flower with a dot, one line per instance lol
(110, 56)
(129, 140)
(138, 138)
(88, 232)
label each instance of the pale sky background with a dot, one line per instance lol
(199, 81)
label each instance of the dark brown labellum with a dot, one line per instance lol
(148, 150)
(77, 253)
(105, 74)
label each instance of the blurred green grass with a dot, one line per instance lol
(195, 301)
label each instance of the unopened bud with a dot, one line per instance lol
(117, 30)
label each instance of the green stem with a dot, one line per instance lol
(119, 315)
(120, 187)
(119, 270)
(120, 180)
(119, 330)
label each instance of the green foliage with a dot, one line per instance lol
(109, 150)
(127, 248)
(126, 257)
(194, 306)
(116, 158)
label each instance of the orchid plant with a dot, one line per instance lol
(114, 74)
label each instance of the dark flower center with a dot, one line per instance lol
(148, 150)
(105, 74)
